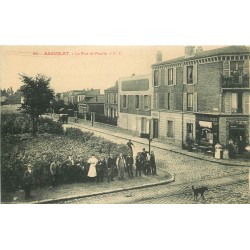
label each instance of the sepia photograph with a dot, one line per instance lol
(125, 124)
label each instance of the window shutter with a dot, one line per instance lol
(149, 101)
(185, 74)
(195, 74)
(226, 68)
(195, 101)
(246, 103)
(246, 67)
(174, 75)
(163, 76)
(166, 76)
(166, 101)
(171, 101)
(141, 99)
(228, 103)
(184, 101)
(121, 99)
(127, 101)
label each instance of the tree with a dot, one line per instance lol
(37, 96)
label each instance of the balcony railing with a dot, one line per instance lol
(234, 81)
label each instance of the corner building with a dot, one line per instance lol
(203, 96)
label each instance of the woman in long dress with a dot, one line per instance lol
(92, 168)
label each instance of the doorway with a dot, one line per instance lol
(155, 128)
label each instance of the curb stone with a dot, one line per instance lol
(50, 201)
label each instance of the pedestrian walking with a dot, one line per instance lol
(28, 181)
(121, 164)
(111, 165)
(130, 144)
(152, 163)
(100, 170)
(130, 163)
(92, 167)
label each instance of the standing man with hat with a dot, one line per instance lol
(28, 180)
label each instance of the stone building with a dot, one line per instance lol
(111, 101)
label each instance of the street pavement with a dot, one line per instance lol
(226, 183)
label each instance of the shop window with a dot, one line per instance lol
(190, 102)
(170, 129)
(190, 75)
(170, 76)
(124, 101)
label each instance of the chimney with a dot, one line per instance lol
(159, 57)
(116, 83)
(189, 51)
(133, 74)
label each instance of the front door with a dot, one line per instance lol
(155, 128)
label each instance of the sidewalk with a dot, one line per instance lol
(126, 134)
(80, 190)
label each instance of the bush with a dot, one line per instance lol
(77, 134)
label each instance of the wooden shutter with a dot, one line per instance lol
(166, 76)
(184, 102)
(159, 77)
(121, 100)
(127, 96)
(171, 101)
(184, 74)
(141, 99)
(163, 76)
(195, 101)
(174, 75)
(226, 68)
(228, 104)
(195, 74)
(246, 66)
(149, 102)
(246, 103)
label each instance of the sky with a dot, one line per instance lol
(80, 67)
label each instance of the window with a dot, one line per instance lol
(170, 129)
(107, 98)
(124, 101)
(163, 76)
(137, 102)
(190, 130)
(189, 74)
(115, 98)
(237, 103)
(146, 102)
(189, 102)
(170, 76)
(156, 78)
(226, 68)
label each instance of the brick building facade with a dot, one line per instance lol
(203, 95)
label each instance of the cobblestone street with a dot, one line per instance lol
(226, 184)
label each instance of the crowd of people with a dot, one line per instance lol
(96, 170)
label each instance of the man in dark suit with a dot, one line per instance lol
(130, 163)
(153, 163)
(111, 165)
(28, 180)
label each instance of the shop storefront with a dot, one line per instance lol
(207, 129)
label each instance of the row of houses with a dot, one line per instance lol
(202, 96)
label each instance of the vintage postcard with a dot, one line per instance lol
(125, 124)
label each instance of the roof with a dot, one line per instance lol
(214, 52)
(114, 88)
(96, 99)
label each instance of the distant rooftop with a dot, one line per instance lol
(114, 88)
